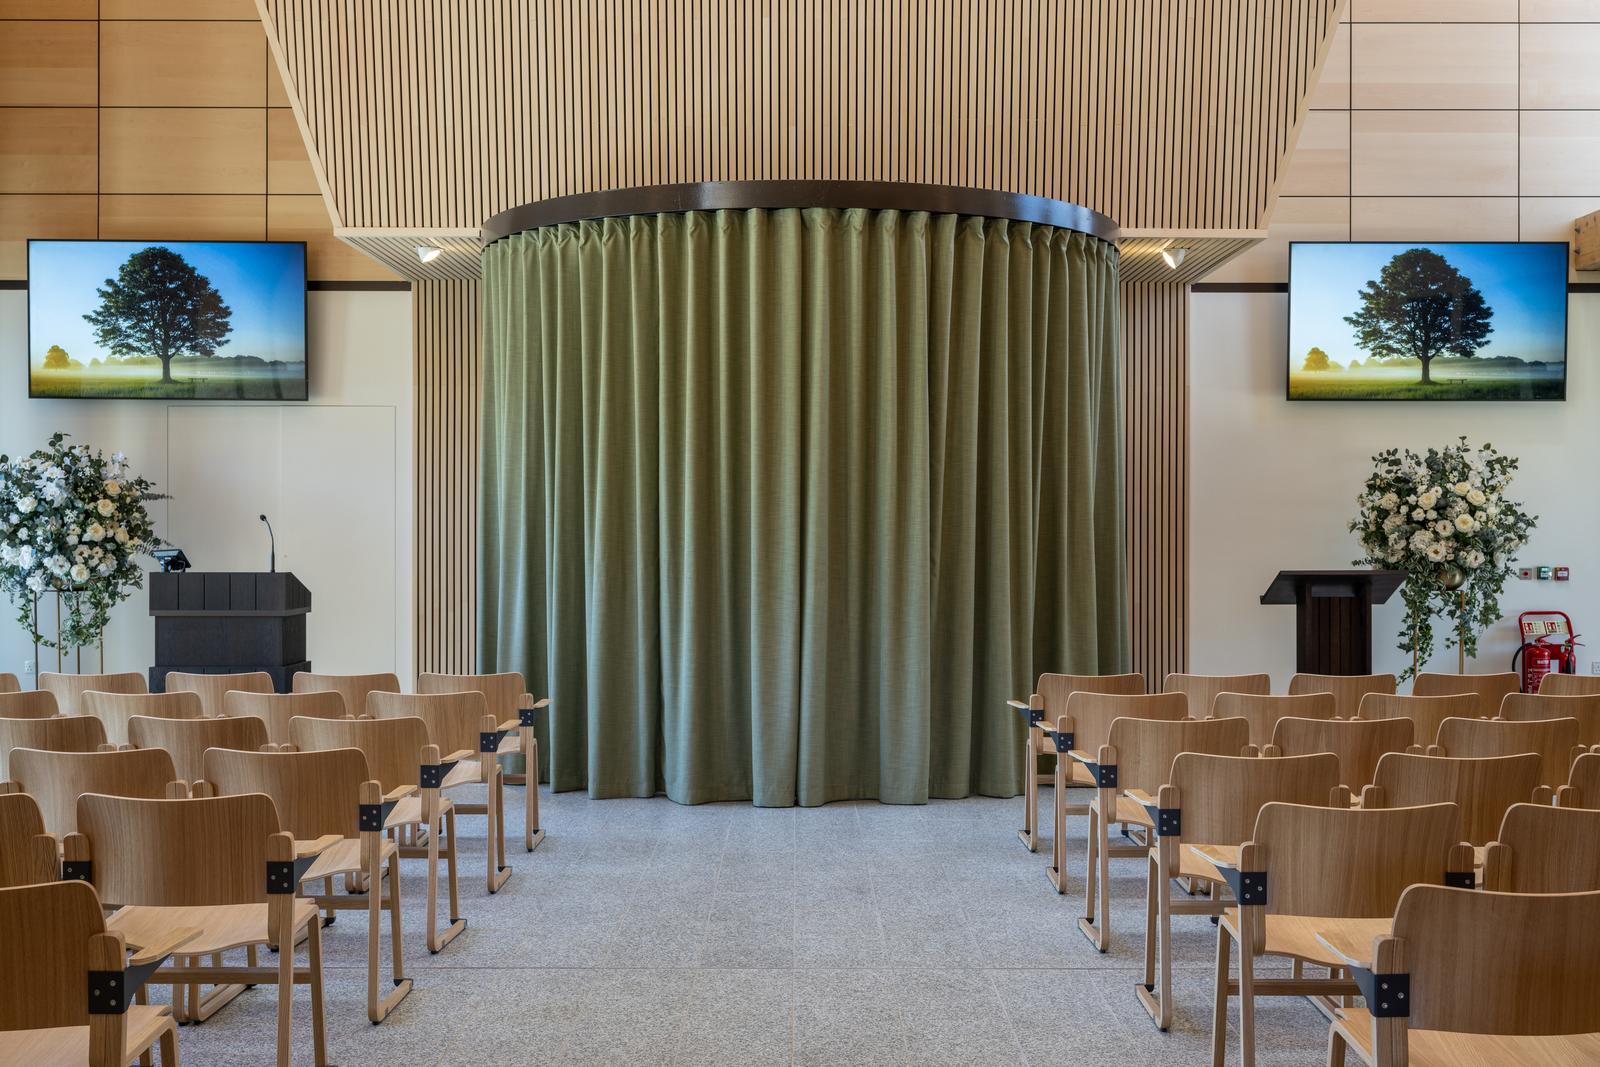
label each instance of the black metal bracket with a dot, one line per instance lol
(77, 870)
(1169, 822)
(283, 876)
(1105, 777)
(431, 775)
(489, 740)
(1249, 887)
(370, 818)
(525, 716)
(1461, 879)
(1063, 741)
(1388, 996)
(111, 992)
(1035, 716)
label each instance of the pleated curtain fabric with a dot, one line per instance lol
(782, 505)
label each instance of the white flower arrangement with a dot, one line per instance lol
(1443, 518)
(72, 522)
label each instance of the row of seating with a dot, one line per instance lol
(1339, 831)
(221, 817)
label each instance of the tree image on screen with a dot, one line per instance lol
(158, 305)
(1420, 307)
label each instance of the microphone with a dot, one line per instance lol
(272, 552)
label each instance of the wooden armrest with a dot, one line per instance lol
(1020, 705)
(527, 701)
(400, 792)
(1351, 940)
(169, 942)
(1140, 797)
(1219, 856)
(312, 848)
(509, 725)
(458, 755)
(1082, 756)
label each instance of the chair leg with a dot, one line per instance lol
(1335, 1047)
(532, 833)
(1058, 835)
(319, 1028)
(1030, 794)
(450, 866)
(1164, 939)
(285, 1000)
(1247, 1006)
(374, 919)
(1219, 1010)
(494, 845)
(169, 1046)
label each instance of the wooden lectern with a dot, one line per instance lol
(229, 623)
(1333, 616)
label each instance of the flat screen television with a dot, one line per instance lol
(167, 320)
(1420, 320)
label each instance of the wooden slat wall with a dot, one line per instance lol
(448, 380)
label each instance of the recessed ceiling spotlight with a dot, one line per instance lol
(429, 253)
(1172, 256)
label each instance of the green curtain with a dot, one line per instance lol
(783, 505)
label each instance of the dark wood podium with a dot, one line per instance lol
(1333, 616)
(229, 623)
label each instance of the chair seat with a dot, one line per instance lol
(1439, 1048)
(221, 926)
(1191, 865)
(408, 812)
(68, 1046)
(1295, 936)
(1129, 812)
(344, 857)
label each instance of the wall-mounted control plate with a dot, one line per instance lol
(1563, 574)
(1544, 573)
(1525, 573)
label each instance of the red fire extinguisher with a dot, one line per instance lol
(1549, 645)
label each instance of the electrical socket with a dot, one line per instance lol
(27, 668)
(1594, 666)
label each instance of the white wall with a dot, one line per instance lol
(1273, 486)
(333, 474)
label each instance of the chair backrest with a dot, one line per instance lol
(1359, 743)
(1482, 788)
(68, 688)
(454, 719)
(1425, 712)
(276, 709)
(1093, 713)
(115, 709)
(1202, 689)
(1569, 685)
(1541, 849)
(1264, 711)
(1553, 739)
(27, 857)
(212, 687)
(57, 779)
(44, 970)
(1585, 707)
(316, 793)
(188, 739)
(1351, 862)
(178, 853)
(352, 687)
(1147, 747)
(1543, 952)
(1347, 689)
(1583, 783)
(1490, 689)
(1220, 796)
(503, 692)
(392, 747)
(64, 733)
(1057, 689)
(9, 683)
(29, 704)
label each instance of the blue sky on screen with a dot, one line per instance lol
(263, 283)
(1524, 284)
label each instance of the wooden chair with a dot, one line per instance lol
(1541, 849)
(1312, 870)
(1483, 788)
(354, 688)
(213, 687)
(275, 710)
(1348, 689)
(1490, 689)
(1212, 801)
(1525, 707)
(460, 722)
(1493, 980)
(64, 733)
(31, 704)
(509, 702)
(1133, 765)
(1085, 725)
(1556, 741)
(1202, 689)
(1359, 743)
(219, 869)
(70, 994)
(115, 709)
(28, 855)
(57, 779)
(67, 688)
(1263, 712)
(399, 755)
(1569, 685)
(322, 794)
(1047, 704)
(9, 683)
(188, 739)
(1426, 713)
(1582, 789)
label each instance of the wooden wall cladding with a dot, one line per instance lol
(153, 119)
(448, 353)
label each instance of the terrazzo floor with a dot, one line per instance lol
(643, 932)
